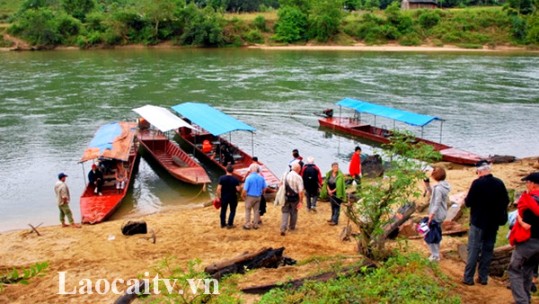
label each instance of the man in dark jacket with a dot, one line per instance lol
(487, 200)
(312, 181)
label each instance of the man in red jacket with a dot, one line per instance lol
(355, 165)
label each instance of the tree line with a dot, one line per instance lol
(206, 23)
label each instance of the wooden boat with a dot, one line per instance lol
(168, 154)
(212, 124)
(356, 127)
(114, 144)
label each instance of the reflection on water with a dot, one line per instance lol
(51, 103)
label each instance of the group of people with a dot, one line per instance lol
(304, 180)
(488, 200)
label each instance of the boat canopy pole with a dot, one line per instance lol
(252, 143)
(83, 173)
(422, 131)
(441, 125)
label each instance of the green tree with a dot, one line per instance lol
(380, 197)
(158, 11)
(201, 27)
(37, 26)
(291, 25)
(78, 8)
(325, 19)
(352, 5)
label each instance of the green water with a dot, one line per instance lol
(51, 103)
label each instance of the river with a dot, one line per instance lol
(51, 104)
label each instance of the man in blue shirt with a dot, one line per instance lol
(253, 189)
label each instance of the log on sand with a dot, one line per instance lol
(326, 276)
(263, 258)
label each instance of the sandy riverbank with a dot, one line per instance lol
(90, 252)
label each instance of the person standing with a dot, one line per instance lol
(487, 200)
(227, 189)
(296, 158)
(253, 189)
(95, 177)
(334, 188)
(312, 181)
(294, 195)
(526, 254)
(62, 198)
(437, 211)
(354, 169)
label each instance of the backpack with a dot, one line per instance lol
(310, 178)
(134, 227)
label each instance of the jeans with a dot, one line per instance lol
(224, 207)
(523, 262)
(312, 198)
(335, 209)
(480, 250)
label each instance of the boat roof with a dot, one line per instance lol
(410, 118)
(161, 118)
(211, 119)
(111, 141)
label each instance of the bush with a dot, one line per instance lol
(324, 19)
(429, 18)
(260, 23)
(68, 28)
(291, 25)
(202, 27)
(254, 36)
(411, 39)
(37, 26)
(532, 29)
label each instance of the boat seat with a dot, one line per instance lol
(236, 157)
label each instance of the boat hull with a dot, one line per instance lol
(242, 160)
(97, 208)
(356, 128)
(173, 159)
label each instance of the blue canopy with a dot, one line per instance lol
(410, 118)
(113, 140)
(211, 119)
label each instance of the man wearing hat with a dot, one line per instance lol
(526, 254)
(63, 198)
(487, 200)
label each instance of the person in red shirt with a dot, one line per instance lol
(355, 165)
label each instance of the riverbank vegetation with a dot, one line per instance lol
(105, 23)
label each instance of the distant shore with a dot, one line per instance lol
(359, 47)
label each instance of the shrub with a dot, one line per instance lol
(68, 28)
(254, 36)
(324, 19)
(37, 26)
(532, 29)
(291, 25)
(411, 39)
(260, 23)
(429, 18)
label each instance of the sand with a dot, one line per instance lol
(102, 252)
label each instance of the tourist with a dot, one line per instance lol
(62, 199)
(334, 189)
(253, 189)
(437, 212)
(487, 200)
(120, 176)
(293, 184)
(354, 169)
(263, 204)
(526, 254)
(296, 158)
(95, 177)
(312, 181)
(227, 189)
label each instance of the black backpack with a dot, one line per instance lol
(310, 177)
(134, 227)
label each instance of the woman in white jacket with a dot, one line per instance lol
(437, 212)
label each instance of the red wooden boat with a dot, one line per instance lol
(171, 157)
(113, 145)
(354, 126)
(214, 123)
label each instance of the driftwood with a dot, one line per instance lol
(454, 210)
(391, 230)
(34, 229)
(294, 284)
(131, 293)
(499, 159)
(500, 259)
(263, 258)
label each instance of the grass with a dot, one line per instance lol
(269, 16)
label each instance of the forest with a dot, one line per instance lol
(46, 24)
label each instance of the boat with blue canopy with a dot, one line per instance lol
(114, 150)
(153, 127)
(355, 126)
(207, 139)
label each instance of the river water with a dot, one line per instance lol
(51, 104)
